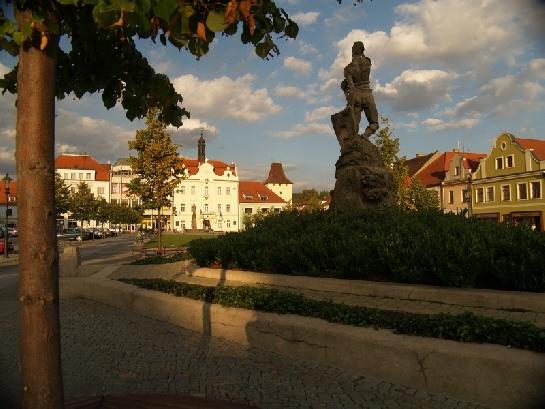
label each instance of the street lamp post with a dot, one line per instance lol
(6, 181)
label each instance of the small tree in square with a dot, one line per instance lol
(62, 196)
(156, 165)
(83, 204)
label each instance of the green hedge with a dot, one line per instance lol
(388, 245)
(465, 327)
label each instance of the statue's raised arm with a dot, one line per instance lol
(357, 90)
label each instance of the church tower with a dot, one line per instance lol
(201, 156)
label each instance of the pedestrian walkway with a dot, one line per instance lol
(383, 303)
(106, 350)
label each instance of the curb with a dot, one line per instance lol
(492, 375)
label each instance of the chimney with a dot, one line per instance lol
(201, 156)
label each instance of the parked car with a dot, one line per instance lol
(12, 231)
(68, 234)
(10, 243)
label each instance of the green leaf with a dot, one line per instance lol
(163, 9)
(216, 21)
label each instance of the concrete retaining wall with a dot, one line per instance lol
(467, 297)
(493, 375)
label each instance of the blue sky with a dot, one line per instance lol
(447, 74)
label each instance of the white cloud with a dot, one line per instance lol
(448, 33)
(289, 91)
(414, 90)
(297, 65)
(225, 97)
(188, 134)
(320, 113)
(3, 70)
(307, 48)
(98, 137)
(305, 129)
(306, 19)
(509, 94)
(436, 124)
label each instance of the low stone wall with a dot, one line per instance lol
(493, 375)
(495, 299)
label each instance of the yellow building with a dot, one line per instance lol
(508, 184)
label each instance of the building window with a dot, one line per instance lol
(72, 176)
(192, 190)
(66, 175)
(100, 190)
(523, 191)
(479, 195)
(451, 196)
(182, 207)
(506, 192)
(248, 210)
(219, 190)
(228, 223)
(113, 201)
(227, 191)
(490, 194)
(183, 224)
(219, 209)
(88, 175)
(219, 224)
(81, 176)
(206, 190)
(134, 203)
(227, 208)
(510, 161)
(456, 170)
(499, 163)
(177, 223)
(182, 190)
(73, 189)
(206, 207)
(234, 222)
(535, 190)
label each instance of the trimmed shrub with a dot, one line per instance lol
(466, 327)
(426, 247)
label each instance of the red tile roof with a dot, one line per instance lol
(415, 164)
(84, 162)
(256, 192)
(277, 175)
(537, 145)
(12, 193)
(434, 173)
(192, 165)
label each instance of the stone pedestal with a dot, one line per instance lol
(361, 178)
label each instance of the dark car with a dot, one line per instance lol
(10, 243)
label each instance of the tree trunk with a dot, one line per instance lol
(41, 377)
(159, 225)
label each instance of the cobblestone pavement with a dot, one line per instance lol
(106, 350)
(383, 303)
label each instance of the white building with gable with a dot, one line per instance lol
(208, 197)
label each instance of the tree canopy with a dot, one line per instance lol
(101, 52)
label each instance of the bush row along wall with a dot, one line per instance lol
(386, 245)
(465, 327)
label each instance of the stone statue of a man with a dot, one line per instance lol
(357, 91)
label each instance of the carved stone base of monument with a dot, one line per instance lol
(362, 181)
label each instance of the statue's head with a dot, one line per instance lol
(358, 48)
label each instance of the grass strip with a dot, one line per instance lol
(158, 259)
(466, 327)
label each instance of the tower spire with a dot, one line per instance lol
(201, 148)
